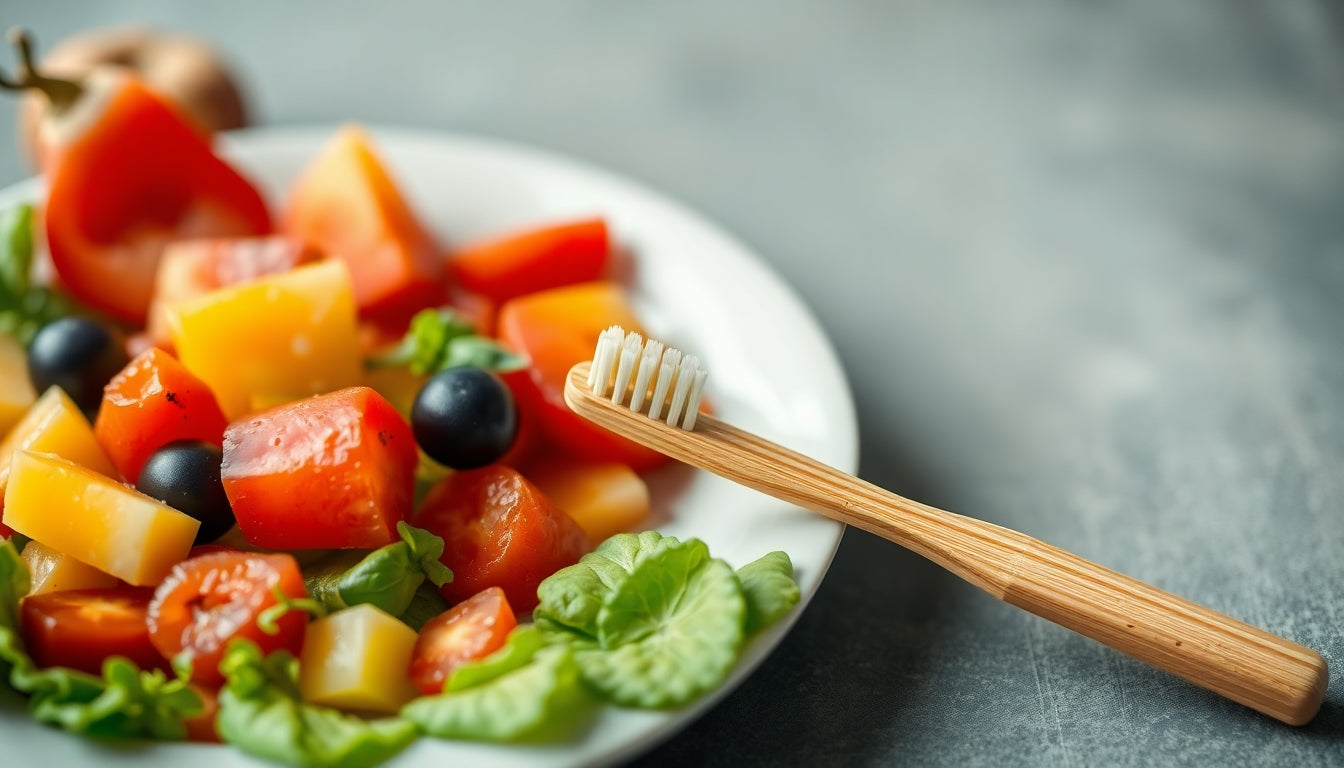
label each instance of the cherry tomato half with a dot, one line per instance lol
(207, 601)
(470, 630)
(80, 628)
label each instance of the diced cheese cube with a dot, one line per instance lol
(96, 520)
(357, 659)
(271, 340)
(16, 391)
(53, 571)
(54, 424)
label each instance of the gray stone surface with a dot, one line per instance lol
(1084, 265)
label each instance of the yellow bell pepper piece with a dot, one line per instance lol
(53, 571)
(272, 340)
(54, 424)
(16, 391)
(357, 659)
(94, 519)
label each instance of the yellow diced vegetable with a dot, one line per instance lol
(55, 425)
(95, 519)
(357, 660)
(53, 571)
(603, 498)
(271, 340)
(16, 391)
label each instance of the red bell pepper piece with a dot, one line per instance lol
(126, 174)
(534, 260)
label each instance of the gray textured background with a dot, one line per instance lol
(1083, 262)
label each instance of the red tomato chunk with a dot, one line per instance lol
(499, 531)
(152, 402)
(335, 471)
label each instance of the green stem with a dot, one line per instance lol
(62, 93)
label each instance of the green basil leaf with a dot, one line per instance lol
(480, 352)
(389, 576)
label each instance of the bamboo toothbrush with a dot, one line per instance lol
(1267, 673)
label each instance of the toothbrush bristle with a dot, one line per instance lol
(662, 376)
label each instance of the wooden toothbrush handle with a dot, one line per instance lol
(1248, 665)
(1267, 673)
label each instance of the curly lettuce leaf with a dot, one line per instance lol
(771, 592)
(125, 702)
(439, 339)
(541, 700)
(653, 621)
(386, 578)
(572, 598)
(670, 633)
(261, 713)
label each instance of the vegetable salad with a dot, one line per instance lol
(304, 482)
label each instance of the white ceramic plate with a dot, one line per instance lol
(772, 371)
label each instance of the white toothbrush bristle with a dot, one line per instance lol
(685, 375)
(693, 399)
(676, 380)
(666, 373)
(648, 363)
(604, 359)
(628, 358)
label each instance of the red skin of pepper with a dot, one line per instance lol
(129, 174)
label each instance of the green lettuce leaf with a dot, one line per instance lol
(539, 701)
(769, 588)
(125, 702)
(386, 578)
(261, 713)
(519, 648)
(426, 603)
(571, 599)
(24, 307)
(439, 339)
(653, 621)
(670, 633)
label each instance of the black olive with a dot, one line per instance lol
(464, 418)
(185, 476)
(78, 355)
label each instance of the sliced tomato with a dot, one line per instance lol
(499, 531)
(470, 630)
(80, 628)
(555, 329)
(347, 204)
(535, 260)
(154, 401)
(331, 472)
(209, 600)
